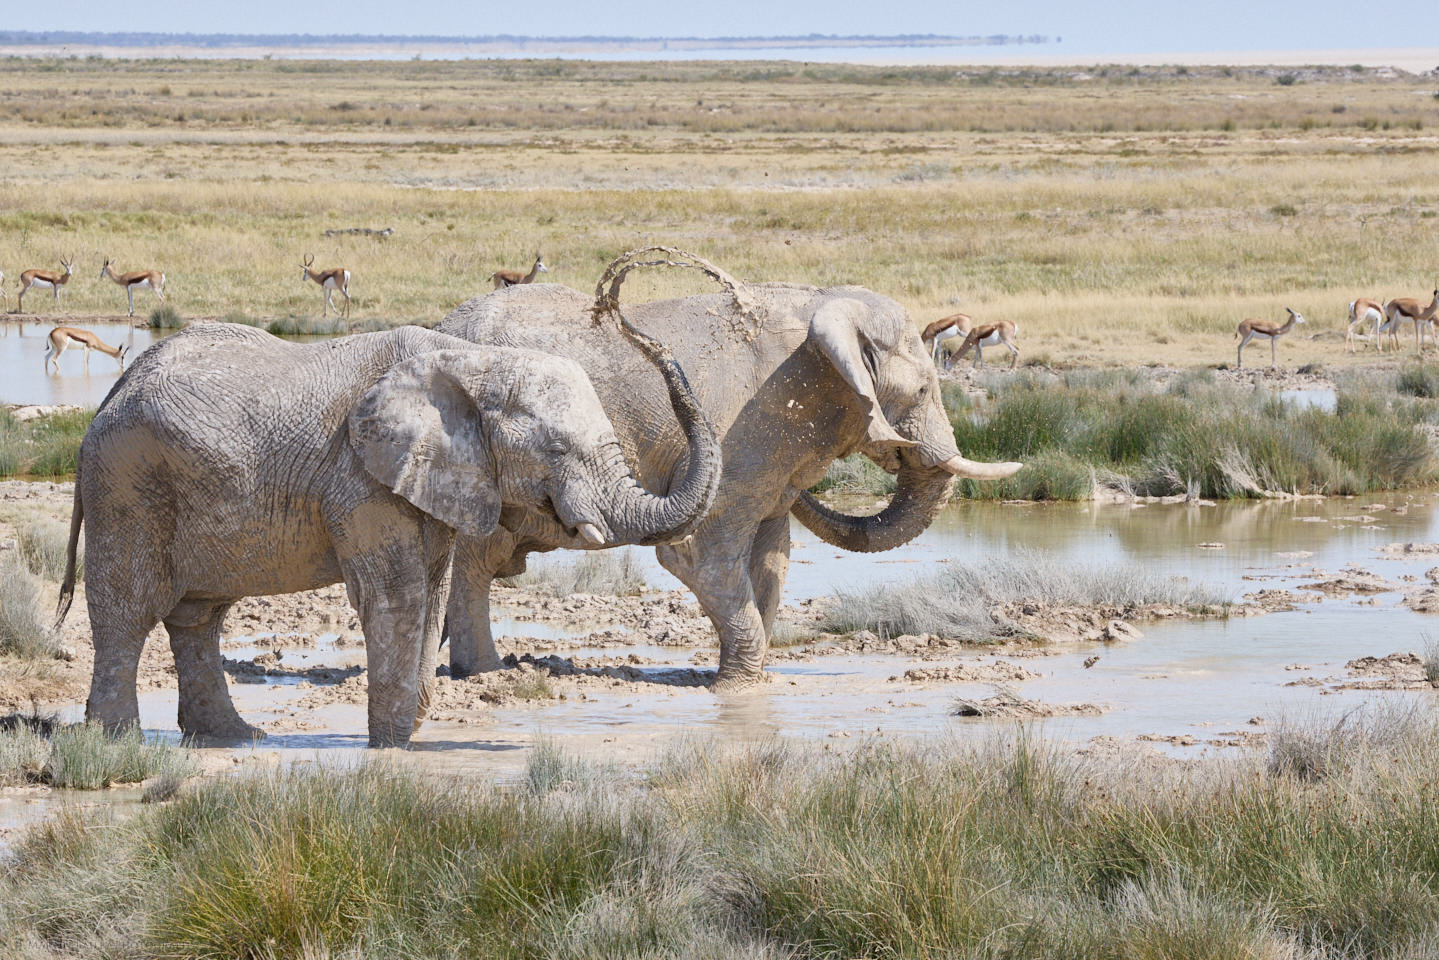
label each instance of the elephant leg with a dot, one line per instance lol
(721, 583)
(768, 567)
(206, 710)
(113, 702)
(439, 589)
(126, 595)
(472, 646)
(394, 619)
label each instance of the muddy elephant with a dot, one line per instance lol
(827, 372)
(228, 463)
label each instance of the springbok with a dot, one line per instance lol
(988, 335)
(135, 280)
(512, 278)
(1362, 311)
(945, 328)
(43, 280)
(1410, 310)
(62, 337)
(329, 281)
(1249, 329)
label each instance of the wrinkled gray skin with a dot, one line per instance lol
(228, 463)
(833, 371)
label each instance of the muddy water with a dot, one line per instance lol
(22, 359)
(1202, 680)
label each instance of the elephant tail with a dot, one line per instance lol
(67, 588)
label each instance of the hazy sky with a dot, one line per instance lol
(1118, 26)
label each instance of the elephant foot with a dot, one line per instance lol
(460, 670)
(732, 681)
(113, 720)
(221, 733)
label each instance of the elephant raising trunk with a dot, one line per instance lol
(634, 514)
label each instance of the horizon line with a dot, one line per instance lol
(21, 37)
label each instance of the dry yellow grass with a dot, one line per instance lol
(1123, 218)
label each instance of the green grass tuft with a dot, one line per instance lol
(856, 473)
(1193, 436)
(1008, 848)
(81, 756)
(1419, 381)
(84, 757)
(47, 447)
(166, 317)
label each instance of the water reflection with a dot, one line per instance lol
(22, 358)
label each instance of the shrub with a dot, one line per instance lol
(603, 572)
(962, 601)
(43, 543)
(1419, 381)
(856, 473)
(166, 317)
(22, 633)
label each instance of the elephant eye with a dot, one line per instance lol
(556, 445)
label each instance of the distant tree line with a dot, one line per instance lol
(94, 38)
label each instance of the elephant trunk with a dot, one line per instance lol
(922, 492)
(634, 515)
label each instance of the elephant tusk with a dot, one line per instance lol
(974, 470)
(591, 533)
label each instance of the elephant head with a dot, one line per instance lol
(462, 434)
(888, 379)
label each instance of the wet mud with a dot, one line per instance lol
(1325, 610)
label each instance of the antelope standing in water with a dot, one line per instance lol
(511, 278)
(62, 337)
(1249, 329)
(43, 280)
(135, 280)
(329, 281)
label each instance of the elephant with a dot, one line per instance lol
(830, 371)
(229, 463)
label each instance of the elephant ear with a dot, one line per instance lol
(420, 431)
(836, 331)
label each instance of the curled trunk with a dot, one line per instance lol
(921, 494)
(640, 517)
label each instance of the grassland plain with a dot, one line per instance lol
(1323, 850)
(1116, 214)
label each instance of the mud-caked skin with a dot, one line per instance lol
(831, 372)
(228, 463)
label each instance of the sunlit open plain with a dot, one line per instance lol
(1120, 214)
